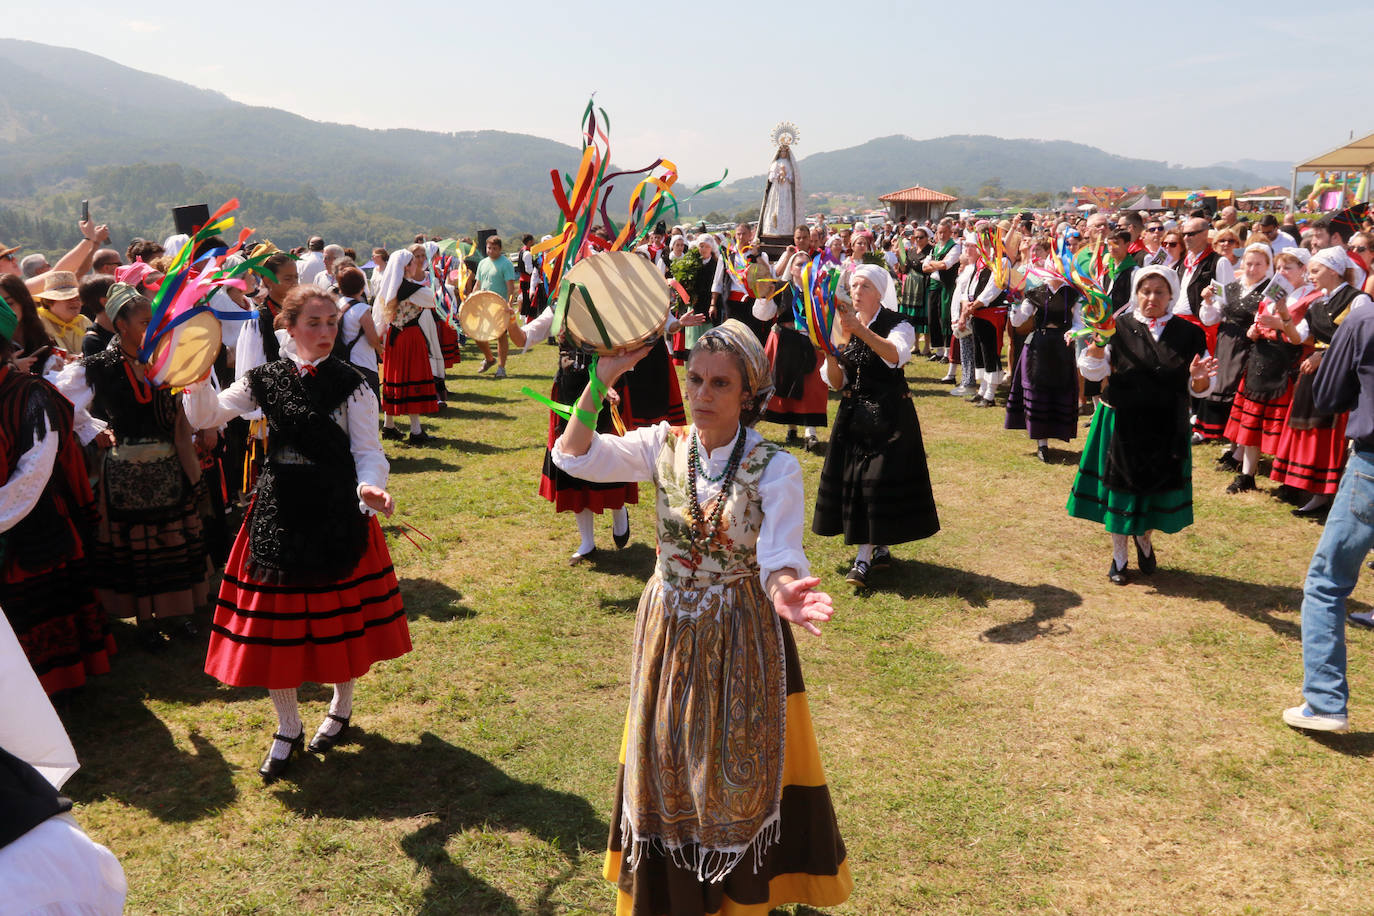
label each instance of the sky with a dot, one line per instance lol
(704, 83)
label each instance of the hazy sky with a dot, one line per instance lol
(703, 83)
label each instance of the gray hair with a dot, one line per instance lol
(33, 265)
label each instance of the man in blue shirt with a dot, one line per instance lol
(496, 274)
(1344, 382)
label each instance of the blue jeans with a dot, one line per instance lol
(1346, 540)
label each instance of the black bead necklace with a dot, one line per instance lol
(699, 529)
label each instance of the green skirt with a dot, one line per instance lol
(1121, 511)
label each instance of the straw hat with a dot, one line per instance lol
(59, 284)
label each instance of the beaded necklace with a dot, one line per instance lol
(728, 476)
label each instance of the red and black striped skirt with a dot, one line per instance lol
(280, 636)
(1258, 422)
(1311, 459)
(407, 379)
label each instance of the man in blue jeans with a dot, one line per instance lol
(1344, 382)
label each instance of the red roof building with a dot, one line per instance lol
(917, 203)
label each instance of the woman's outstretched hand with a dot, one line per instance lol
(377, 499)
(798, 602)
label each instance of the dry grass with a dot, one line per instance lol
(1003, 729)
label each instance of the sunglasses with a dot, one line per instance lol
(1359, 248)
(1188, 235)
(1173, 244)
(1154, 228)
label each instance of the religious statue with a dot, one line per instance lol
(782, 199)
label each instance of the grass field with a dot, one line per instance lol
(1003, 729)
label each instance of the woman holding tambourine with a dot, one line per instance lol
(149, 554)
(875, 485)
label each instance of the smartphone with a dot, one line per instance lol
(85, 211)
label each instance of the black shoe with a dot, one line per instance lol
(578, 559)
(1117, 574)
(976, 400)
(392, 434)
(322, 743)
(1362, 618)
(882, 558)
(858, 574)
(812, 444)
(150, 639)
(1147, 562)
(1197, 439)
(1228, 462)
(273, 768)
(1243, 483)
(792, 436)
(984, 402)
(1318, 512)
(935, 357)
(420, 438)
(622, 539)
(1043, 453)
(182, 628)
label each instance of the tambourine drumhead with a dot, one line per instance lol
(187, 352)
(482, 315)
(628, 302)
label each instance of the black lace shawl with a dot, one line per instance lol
(305, 527)
(154, 419)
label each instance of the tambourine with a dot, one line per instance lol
(760, 282)
(482, 316)
(186, 353)
(612, 302)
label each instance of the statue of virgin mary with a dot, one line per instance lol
(782, 198)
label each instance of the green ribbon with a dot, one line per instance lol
(572, 411)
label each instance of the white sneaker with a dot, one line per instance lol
(1303, 717)
(960, 391)
(486, 364)
(500, 372)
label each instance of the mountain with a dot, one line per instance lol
(967, 162)
(74, 125)
(1270, 171)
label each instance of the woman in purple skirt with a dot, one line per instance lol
(1044, 388)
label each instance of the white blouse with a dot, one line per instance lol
(632, 457)
(357, 417)
(1095, 369)
(902, 336)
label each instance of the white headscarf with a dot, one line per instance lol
(1169, 276)
(706, 239)
(881, 280)
(390, 284)
(172, 245)
(1335, 258)
(1264, 249)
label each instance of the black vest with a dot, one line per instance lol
(1325, 315)
(26, 798)
(1205, 273)
(153, 418)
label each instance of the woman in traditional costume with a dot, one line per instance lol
(47, 516)
(1135, 475)
(412, 360)
(1266, 387)
(875, 485)
(30, 341)
(149, 552)
(309, 593)
(799, 396)
(1311, 451)
(911, 304)
(1044, 385)
(1237, 316)
(720, 808)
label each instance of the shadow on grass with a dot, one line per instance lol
(1354, 744)
(127, 753)
(636, 560)
(453, 790)
(480, 448)
(459, 398)
(621, 605)
(1258, 602)
(915, 579)
(415, 462)
(435, 600)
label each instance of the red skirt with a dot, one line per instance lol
(1311, 459)
(280, 636)
(1258, 422)
(407, 379)
(573, 494)
(807, 410)
(448, 343)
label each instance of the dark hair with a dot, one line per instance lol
(124, 310)
(1122, 235)
(143, 248)
(92, 289)
(275, 261)
(105, 254)
(30, 329)
(1322, 223)
(1268, 220)
(295, 303)
(351, 254)
(751, 409)
(315, 244)
(497, 239)
(1132, 218)
(418, 240)
(351, 281)
(526, 239)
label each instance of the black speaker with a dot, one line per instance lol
(190, 218)
(482, 236)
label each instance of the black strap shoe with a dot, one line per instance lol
(1117, 574)
(1243, 483)
(1147, 562)
(322, 742)
(858, 574)
(621, 539)
(1043, 453)
(273, 768)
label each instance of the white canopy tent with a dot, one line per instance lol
(1355, 156)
